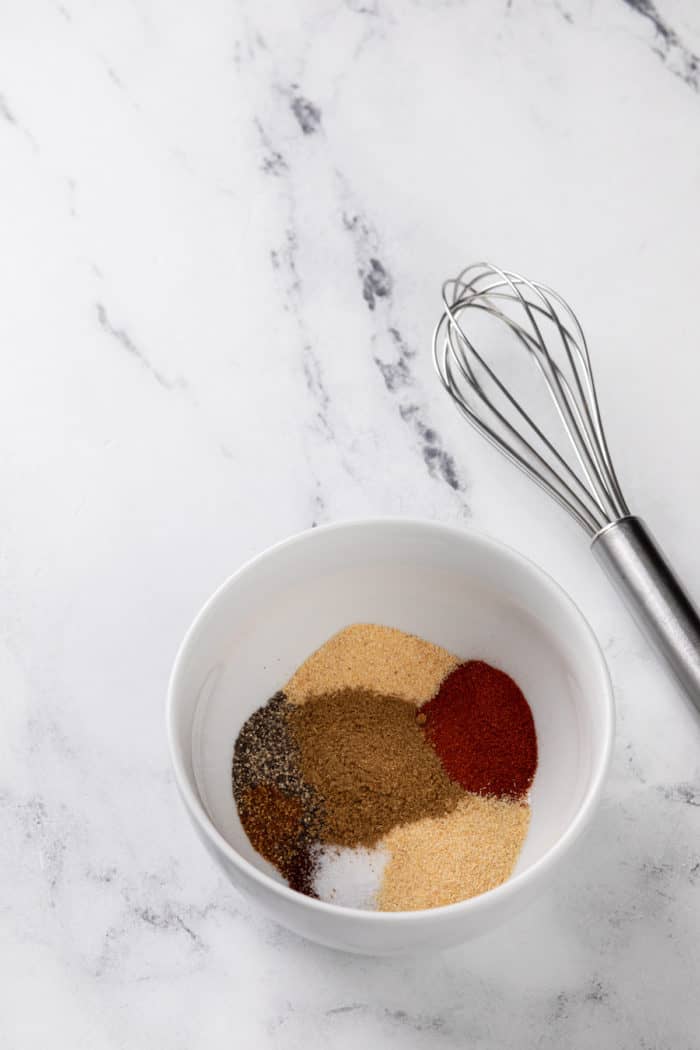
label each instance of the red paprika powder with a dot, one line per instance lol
(482, 729)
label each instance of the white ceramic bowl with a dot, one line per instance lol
(463, 591)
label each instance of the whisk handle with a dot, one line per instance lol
(655, 596)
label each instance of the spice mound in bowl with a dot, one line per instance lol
(388, 774)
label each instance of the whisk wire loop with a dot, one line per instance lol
(514, 434)
(591, 495)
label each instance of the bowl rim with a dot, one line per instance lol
(511, 886)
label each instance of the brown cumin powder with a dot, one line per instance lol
(364, 755)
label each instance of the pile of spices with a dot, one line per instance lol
(381, 660)
(387, 773)
(442, 860)
(274, 824)
(364, 755)
(278, 809)
(481, 726)
(350, 876)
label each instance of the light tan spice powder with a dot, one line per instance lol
(442, 860)
(368, 656)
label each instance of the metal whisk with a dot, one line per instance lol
(545, 327)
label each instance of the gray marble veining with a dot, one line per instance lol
(225, 227)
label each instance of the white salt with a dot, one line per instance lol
(350, 877)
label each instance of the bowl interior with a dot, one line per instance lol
(463, 592)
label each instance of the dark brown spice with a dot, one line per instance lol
(364, 755)
(279, 811)
(274, 824)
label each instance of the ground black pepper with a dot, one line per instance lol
(279, 811)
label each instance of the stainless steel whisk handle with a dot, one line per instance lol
(654, 594)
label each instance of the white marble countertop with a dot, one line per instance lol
(224, 227)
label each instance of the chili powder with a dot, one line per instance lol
(482, 729)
